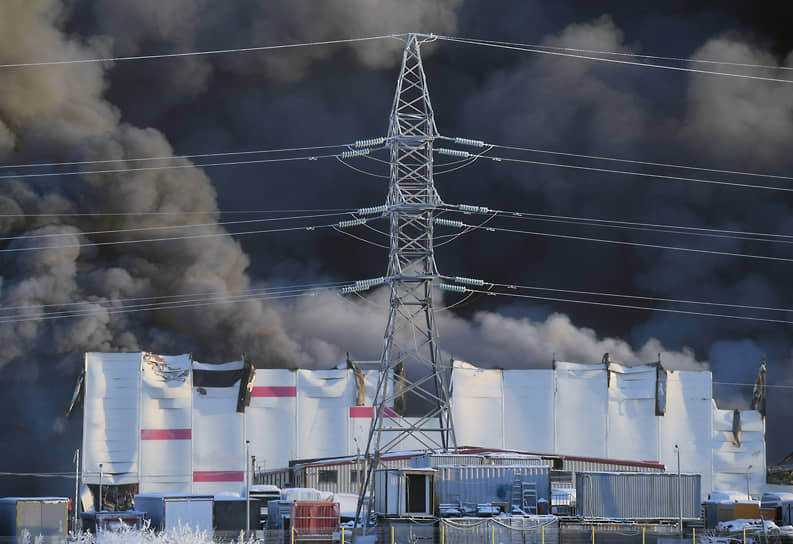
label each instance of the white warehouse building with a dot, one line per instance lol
(173, 425)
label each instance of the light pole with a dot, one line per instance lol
(748, 475)
(76, 460)
(100, 487)
(247, 489)
(679, 493)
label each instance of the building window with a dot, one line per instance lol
(354, 476)
(328, 476)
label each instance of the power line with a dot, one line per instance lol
(173, 157)
(531, 49)
(170, 238)
(633, 307)
(199, 53)
(181, 298)
(191, 212)
(622, 242)
(640, 174)
(650, 227)
(171, 227)
(629, 161)
(638, 297)
(779, 386)
(637, 55)
(166, 306)
(169, 167)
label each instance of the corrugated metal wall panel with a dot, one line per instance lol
(637, 495)
(486, 483)
(433, 460)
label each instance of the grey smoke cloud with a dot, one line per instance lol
(328, 326)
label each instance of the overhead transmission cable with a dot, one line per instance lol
(172, 227)
(181, 298)
(637, 297)
(532, 49)
(640, 226)
(198, 53)
(282, 293)
(637, 244)
(639, 174)
(170, 212)
(637, 162)
(632, 307)
(173, 157)
(643, 56)
(343, 155)
(464, 285)
(340, 224)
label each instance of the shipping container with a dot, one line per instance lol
(169, 511)
(278, 513)
(111, 522)
(314, 520)
(228, 516)
(637, 495)
(404, 492)
(489, 484)
(265, 493)
(34, 516)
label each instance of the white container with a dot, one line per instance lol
(404, 492)
(169, 511)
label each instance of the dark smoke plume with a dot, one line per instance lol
(323, 95)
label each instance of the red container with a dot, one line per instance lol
(315, 519)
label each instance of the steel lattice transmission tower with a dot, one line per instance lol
(411, 340)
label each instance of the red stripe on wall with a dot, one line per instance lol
(366, 411)
(274, 391)
(219, 476)
(166, 434)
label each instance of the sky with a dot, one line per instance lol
(336, 94)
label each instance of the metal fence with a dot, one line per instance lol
(499, 530)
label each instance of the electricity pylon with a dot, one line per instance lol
(411, 339)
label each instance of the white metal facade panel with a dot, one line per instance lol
(110, 417)
(166, 424)
(731, 463)
(581, 410)
(633, 427)
(477, 410)
(323, 399)
(529, 410)
(218, 440)
(271, 418)
(689, 401)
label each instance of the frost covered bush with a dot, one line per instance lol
(183, 534)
